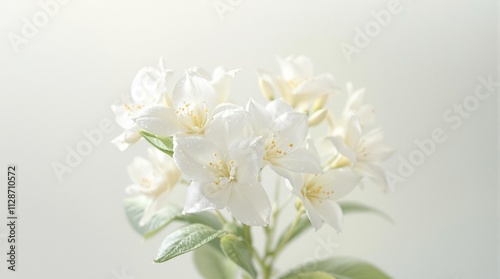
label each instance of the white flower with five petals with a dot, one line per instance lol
(284, 132)
(148, 89)
(220, 80)
(193, 104)
(224, 166)
(319, 193)
(363, 152)
(354, 105)
(153, 179)
(297, 84)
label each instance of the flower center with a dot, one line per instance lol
(133, 107)
(272, 150)
(316, 193)
(193, 117)
(223, 171)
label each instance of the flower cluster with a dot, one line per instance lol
(220, 148)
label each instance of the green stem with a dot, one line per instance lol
(221, 217)
(247, 234)
(288, 234)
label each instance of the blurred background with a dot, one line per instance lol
(59, 77)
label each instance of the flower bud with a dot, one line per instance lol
(266, 89)
(320, 103)
(317, 117)
(298, 205)
(168, 100)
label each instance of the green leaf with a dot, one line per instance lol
(184, 240)
(205, 218)
(134, 208)
(238, 251)
(164, 144)
(340, 268)
(311, 275)
(301, 226)
(354, 207)
(211, 263)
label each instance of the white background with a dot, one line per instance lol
(429, 57)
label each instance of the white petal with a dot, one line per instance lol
(290, 129)
(154, 206)
(355, 99)
(317, 86)
(159, 120)
(122, 115)
(127, 138)
(288, 175)
(374, 173)
(227, 126)
(193, 154)
(226, 106)
(295, 180)
(377, 151)
(343, 149)
(249, 204)
(139, 169)
(299, 67)
(260, 118)
(300, 160)
(352, 131)
(203, 195)
(331, 213)
(202, 72)
(221, 81)
(311, 147)
(278, 107)
(341, 182)
(313, 215)
(272, 85)
(193, 89)
(248, 154)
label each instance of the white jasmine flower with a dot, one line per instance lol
(363, 152)
(153, 179)
(297, 84)
(355, 104)
(220, 80)
(223, 167)
(284, 132)
(148, 89)
(319, 193)
(194, 103)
